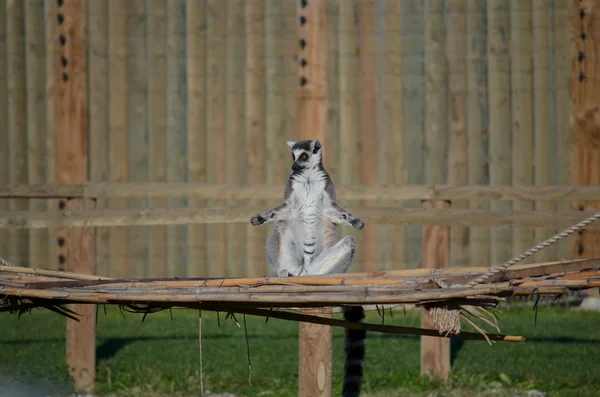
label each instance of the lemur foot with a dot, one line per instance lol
(357, 223)
(257, 220)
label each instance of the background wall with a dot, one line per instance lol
(443, 91)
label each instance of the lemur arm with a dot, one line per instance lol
(340, 215)
(271, 216)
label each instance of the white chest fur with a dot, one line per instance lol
(309, 199)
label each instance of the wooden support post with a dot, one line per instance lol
(315, 345)
(75, 245)
(585, 125)
(435, 352)
(585, 116)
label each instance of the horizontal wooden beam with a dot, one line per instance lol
(275, 192)
(213, 215)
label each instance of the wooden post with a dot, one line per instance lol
(435, 352)
(4, 146)
(315, 344)
(585, 124)
(76, 245)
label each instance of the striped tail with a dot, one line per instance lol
(355, 352)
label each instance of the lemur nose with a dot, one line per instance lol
(295, 167)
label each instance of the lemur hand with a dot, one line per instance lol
(357, 223)
(257, 220)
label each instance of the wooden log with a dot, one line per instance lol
(118, 91)
(458, 160)
(315, 344)
(477, 121)
(4, 141)
(137, 77)
(563, 35)
(18, 250)
(196, 35)
(542, 108)
(176, 130)
(435, 352)
(156, 38)
(216, 29)
(414, 105)
(585, 116)
(98, 57)
(369, 125)
(71, 166)
(395, 165)
(522, 113)
(35, 56)
(499, 111)
(236, 132)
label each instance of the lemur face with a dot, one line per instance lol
(305, 154)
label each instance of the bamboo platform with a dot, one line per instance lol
(22, 289)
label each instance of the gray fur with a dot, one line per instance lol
(304, 238)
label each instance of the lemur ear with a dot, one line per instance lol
(291, 144)
(317, 147)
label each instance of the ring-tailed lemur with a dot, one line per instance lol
(304, 240)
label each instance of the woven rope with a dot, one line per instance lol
(535, 249)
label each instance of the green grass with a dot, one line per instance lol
(160, 356)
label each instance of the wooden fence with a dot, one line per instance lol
(206, 91)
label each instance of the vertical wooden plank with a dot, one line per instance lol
(521, 72)
(176, 131)
(414, 105)
(71, 166)
(196, 126)
(477, 122)
(278, 160)
(156, 39)
(499, 108)
(4, 141)
(290, 71)
(315, 345)
(99, 122)
(255, 125)
(394, 114)
(369, 140)
(458, 165)
(216, 235)
(585, 125)
(18, 252)
(236, 132)
(435, 352)
(138, 127)
(52, 106)
(542, 108)
(333, 90)
(349, 113)
(35, 53)
(436, 115)
(118, 92)
(563, 34)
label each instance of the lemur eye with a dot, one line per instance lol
(304, 157)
